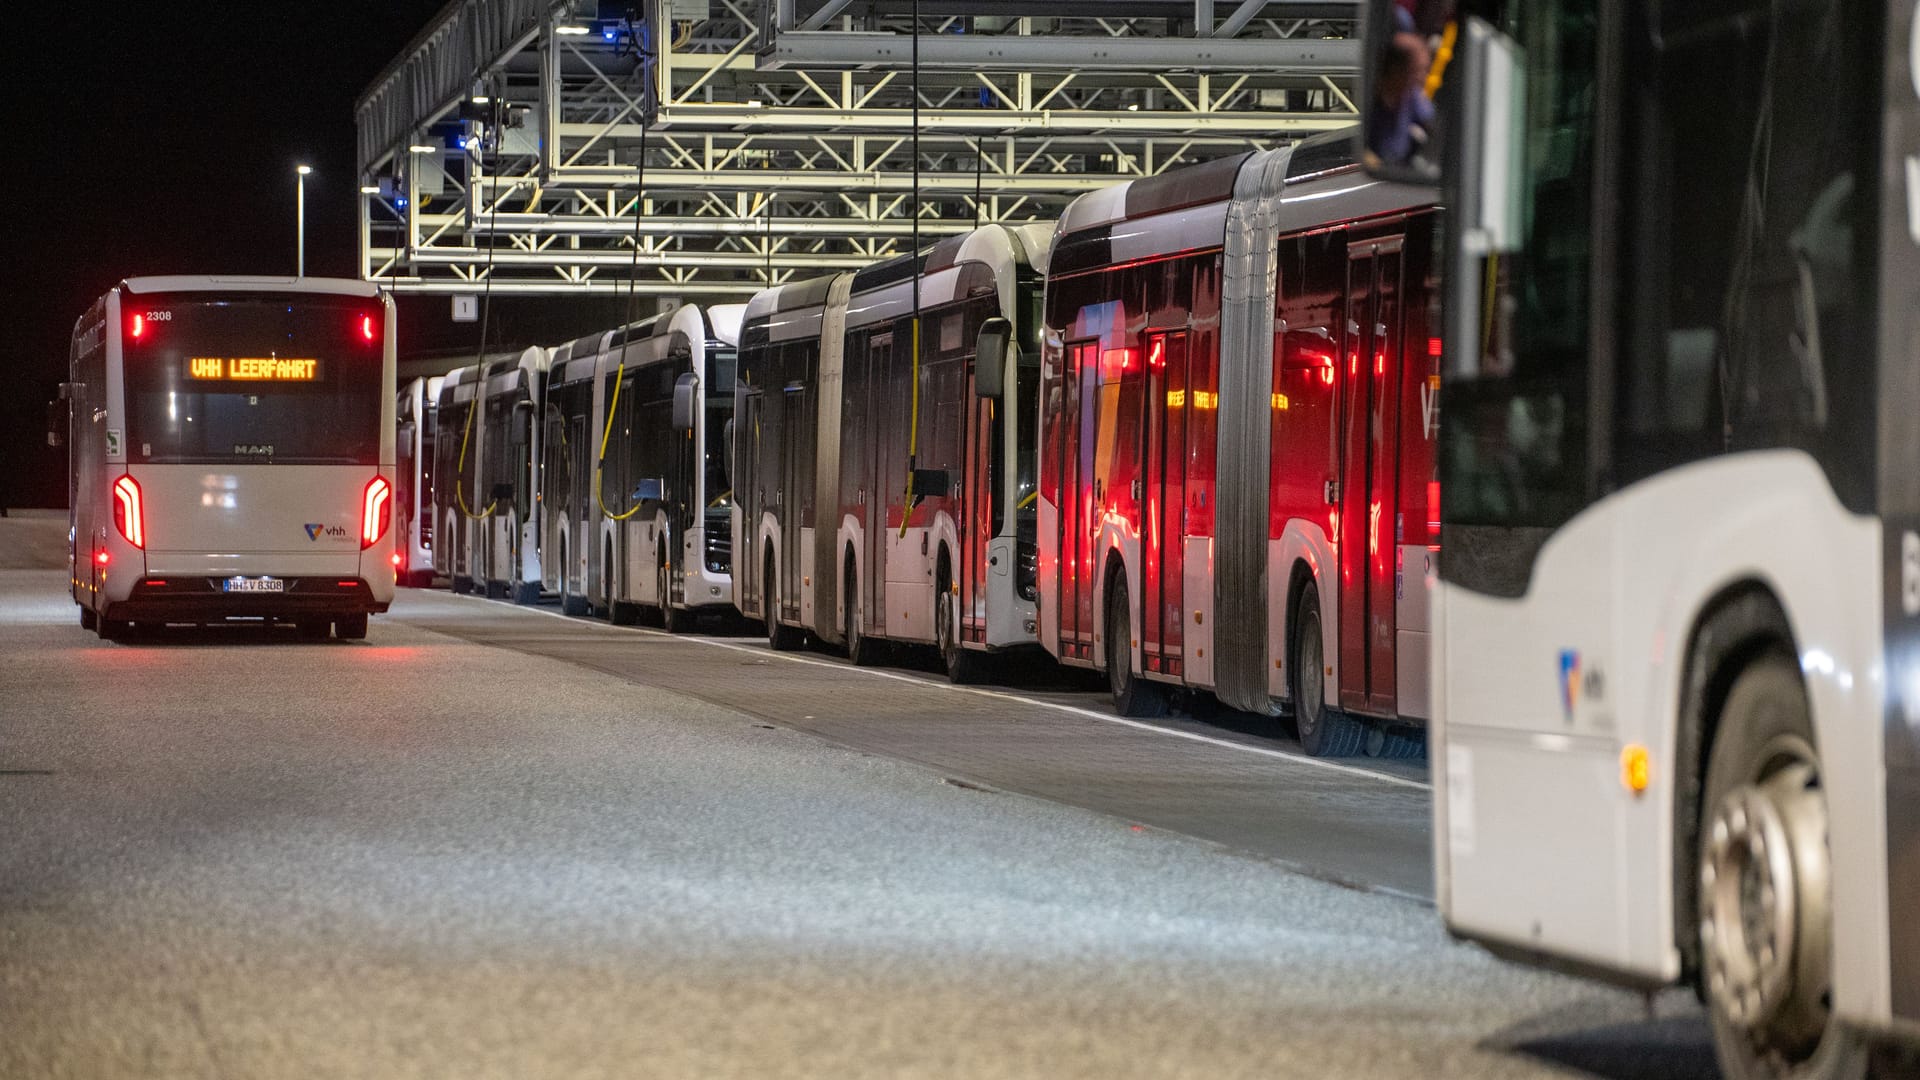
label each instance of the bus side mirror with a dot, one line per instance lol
(1405, 60)
(727, 439)
(683, 401)
(56, 423)
(405, 434)
(990, 358)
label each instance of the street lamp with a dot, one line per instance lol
(300, 220)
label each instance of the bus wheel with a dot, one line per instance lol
(350, 627)
(861, 649)
(672, 619)
(1133, 695)
(963, 664)
(1765, 908)
(780, 637)
(89, 619)
(526, 593)
(1324, 731)
(570, 604)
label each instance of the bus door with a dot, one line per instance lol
(748, 500)
(795, 489)
(684, 461)
(1369, 481)
(1076, 445)
(1164, 512)
(880, 485)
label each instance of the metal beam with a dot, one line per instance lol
(978, 52)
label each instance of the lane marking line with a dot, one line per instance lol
(1072, 710)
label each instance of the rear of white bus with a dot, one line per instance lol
(254, 475)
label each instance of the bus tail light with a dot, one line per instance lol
(375, 501)
(367, 329)
(129, 511)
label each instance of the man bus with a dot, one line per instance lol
(231, 445)
(1677, 690)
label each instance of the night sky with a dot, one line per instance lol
(161, 138)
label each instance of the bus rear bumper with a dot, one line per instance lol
(202, 599)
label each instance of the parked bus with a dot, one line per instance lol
(458, 502)
(231, 453)
(827, 435)
(1237, 431)
(415, 410)
(506, 536)
(1677, 694)
(636, 470)
(569, 448)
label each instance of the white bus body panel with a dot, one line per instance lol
(1516, 746)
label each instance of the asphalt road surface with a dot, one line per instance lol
(490, 841)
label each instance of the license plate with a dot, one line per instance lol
(254, 584)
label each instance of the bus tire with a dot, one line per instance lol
(350, 627)
(964, 666)
(1765, 817)
(780, 637)
(1390, 745)
(862, 650)
(526, 593)
(672, 619)
(89, 619)
(1133, 694)
(570, 604)
(1325, 732)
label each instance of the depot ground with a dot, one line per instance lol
(242, 854)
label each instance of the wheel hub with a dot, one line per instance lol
(1764, 895)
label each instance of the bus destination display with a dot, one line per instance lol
(253, 368)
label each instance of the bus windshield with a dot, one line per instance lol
(253, 380)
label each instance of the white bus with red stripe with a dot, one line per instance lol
(1237, 442)
(231, 447)
(835, 414)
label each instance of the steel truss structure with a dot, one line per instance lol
(511, 146)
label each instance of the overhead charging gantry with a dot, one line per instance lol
(713, 147)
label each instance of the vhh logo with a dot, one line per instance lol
(1430, 406)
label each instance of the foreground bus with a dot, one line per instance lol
(231, 446)
(415, 410)
(1677, 689)
(1237, 442)
(827, 435)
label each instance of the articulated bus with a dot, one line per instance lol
(571, 443)
(636, 489)
(1677, 617)
(457, 499)
(231, 450)
(1237, 435)
(415, 410)
(827, 434)
(505, 559)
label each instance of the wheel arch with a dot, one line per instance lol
(1740, 623)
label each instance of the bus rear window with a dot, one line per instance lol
(266, 380)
